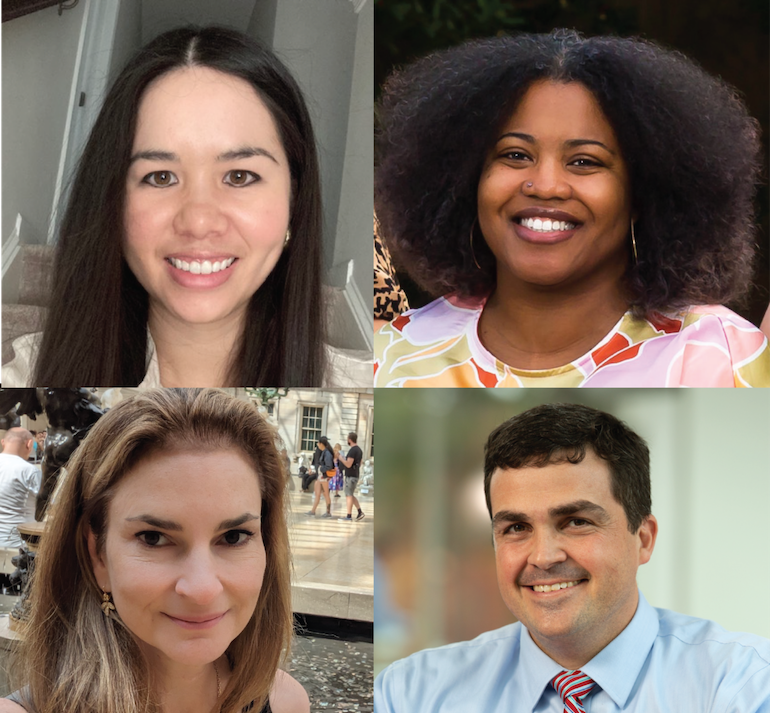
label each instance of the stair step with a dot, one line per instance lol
(18, 320)
(36, 269)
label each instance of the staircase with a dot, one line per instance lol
(28, 313)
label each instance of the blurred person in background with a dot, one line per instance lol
(18, 481)
(325, 471)
(568, 492)
(352, 463)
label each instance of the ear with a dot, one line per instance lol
(648, 533)
(97, 562)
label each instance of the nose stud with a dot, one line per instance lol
(530, 184)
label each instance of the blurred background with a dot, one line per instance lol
(727, 39)
(435, 577)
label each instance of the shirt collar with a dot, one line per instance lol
(615, 668)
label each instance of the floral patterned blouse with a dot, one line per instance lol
(438, 345)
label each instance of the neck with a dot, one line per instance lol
(187, 689)
(534, 327)
(194, 354)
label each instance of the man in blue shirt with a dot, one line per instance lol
(568, 491)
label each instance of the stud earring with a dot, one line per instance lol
(107, 605)
(473, 254)
(633, 244)
(287, 238)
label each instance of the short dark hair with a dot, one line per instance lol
(353, 436)
(692, 150)
(92, 283)
(554, 433)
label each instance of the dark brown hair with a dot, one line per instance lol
(96, 330)
(555, 433)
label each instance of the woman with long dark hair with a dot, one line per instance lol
(581, 208)
(190, 250)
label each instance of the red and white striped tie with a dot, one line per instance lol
(573, 687)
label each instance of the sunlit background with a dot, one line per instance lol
(434, 565)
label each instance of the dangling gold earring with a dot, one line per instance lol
(107, 606)
(287, 238)
(473, 254)
(633, 244)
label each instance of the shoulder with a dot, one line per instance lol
(18, 372)
(422, 342)
(287, 695)
(7, 706)
(444, 316)
(447, 670)
(692, 631)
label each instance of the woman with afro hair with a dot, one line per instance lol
(582, 205)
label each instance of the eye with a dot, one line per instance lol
(160, 179)
(151, 538)
(515, 156)
(237, 537)
(579, 522)
(240, 178)
(585, 162)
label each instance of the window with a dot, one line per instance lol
(312, 425)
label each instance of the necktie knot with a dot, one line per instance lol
(573, 687)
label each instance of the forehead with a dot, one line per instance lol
(560, 108)
(200, 103)
(187, 482)
(535, 490)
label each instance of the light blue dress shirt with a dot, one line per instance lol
(662, 662)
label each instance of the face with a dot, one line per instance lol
(207, 196)
(560, 524)
(183, 556)
(321, 446)
(554, 201)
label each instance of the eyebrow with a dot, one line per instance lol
(233, 155)
(172, 526)
(582, 506)
(571, 143)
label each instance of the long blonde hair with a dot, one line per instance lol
(74, 660)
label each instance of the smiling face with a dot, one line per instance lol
(183, 555)
(554, 201)
(207, 196)
(561, 525)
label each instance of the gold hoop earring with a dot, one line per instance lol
(107, 606)
(473, 254)
(287, 238)
(633, 244)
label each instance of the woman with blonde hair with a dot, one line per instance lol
(162, 583)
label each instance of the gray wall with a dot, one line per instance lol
(39, 60)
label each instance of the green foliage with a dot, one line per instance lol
(407, 30)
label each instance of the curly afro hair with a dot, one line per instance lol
(692, 151)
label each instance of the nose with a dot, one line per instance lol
(199, 214)
(199, 579)
(545, 550)
(547, 180)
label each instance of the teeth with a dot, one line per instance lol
(205, 267)
(554, 587)
(546, 225)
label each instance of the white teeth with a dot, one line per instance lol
(546, 225)
(204, 267)
(554, 587)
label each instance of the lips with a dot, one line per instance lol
(205, 621)
(199, 272)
